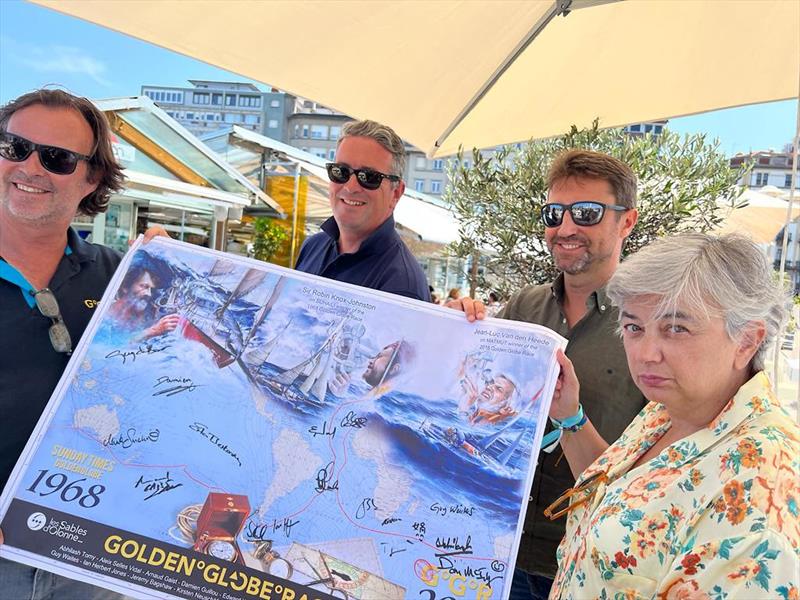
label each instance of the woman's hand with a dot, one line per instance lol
(565, 398)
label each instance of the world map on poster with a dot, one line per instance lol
(364, 445)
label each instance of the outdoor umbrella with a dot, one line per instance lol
(478, 74)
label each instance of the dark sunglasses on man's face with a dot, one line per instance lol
(369, 179)
(585, 213)
(59, 334)
(56, 160)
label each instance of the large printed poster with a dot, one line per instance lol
(229, 429)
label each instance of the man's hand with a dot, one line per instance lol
(474, 309)
(154, 231)
(565, 398)
(164, 325)
(339, 384)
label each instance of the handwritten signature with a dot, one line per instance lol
(184, 384)
(315, 432)
(258, 532)
(351, 420)
(131, 355)
(157, 485)
(214, 439)
(129, 438)
(324, 476)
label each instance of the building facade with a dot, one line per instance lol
(768, 168)
(211, 105)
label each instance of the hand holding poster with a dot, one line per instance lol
(231, 429)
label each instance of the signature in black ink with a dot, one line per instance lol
(157, 485)
(367, 504)
(390, 520)
(453, 543)
(131, 355)
(184, 384)
(214, 439)
(324, 477)
(129, 438)
(351, 420)
(315, 432)
(258, 532)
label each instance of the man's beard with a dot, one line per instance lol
(139, 305)
(576, 265)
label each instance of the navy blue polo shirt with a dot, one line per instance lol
(382, 262)
(29, 367)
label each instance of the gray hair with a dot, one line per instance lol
(726, 276)
(382, 134)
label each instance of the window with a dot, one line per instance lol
(305, 131)
(319, 132)
(436, 186)
(201, 98)
(648, 128)
(419, 185)
(272, 124)
(657, 128)
(216, 99)
(437, 166)
(209, 116)
(331, 154)
(787, 182)
(635, 128)
(465, 163)
(275, 103)
(252, 119)
(229, 117)
(319, 152)
(230, 100)
(762, 178)
(421, 163)
(336, 131)
(190, 116)
(250, 101)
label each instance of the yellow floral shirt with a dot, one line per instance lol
(714, 516)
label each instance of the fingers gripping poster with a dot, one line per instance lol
(229, 429)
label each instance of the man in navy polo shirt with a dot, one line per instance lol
(359, 243)
(55, 160)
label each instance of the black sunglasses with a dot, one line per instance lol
(59, 334)
(56, 160)
(585, 214)
(369, 179)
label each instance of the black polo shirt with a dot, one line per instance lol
(382, 262)
(29, 367)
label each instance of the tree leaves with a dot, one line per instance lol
(685, 184)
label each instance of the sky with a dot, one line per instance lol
(39, 47)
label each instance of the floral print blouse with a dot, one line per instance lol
(714, 516)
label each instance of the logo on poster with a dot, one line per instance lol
(36, 521)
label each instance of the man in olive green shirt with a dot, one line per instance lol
(590, 211)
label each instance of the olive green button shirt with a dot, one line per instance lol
(608, 395)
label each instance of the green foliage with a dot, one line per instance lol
(684, 184)
(268, 237)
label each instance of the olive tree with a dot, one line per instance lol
(685, 184)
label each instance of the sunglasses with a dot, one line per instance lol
(572, 498)
(54, 159)
(369, 179)
(585, 213)
(59, 334)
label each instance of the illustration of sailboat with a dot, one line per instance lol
(316, 368)
(216, 337)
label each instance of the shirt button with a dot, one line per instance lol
(564, 320)
(530, 498)
(602, 307)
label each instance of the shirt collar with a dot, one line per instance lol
(376, 242)
(598, 297)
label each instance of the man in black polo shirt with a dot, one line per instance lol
(359, 243)
(55, 160)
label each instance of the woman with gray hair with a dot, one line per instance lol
(700, 496)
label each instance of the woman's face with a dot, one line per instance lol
(684, 361)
